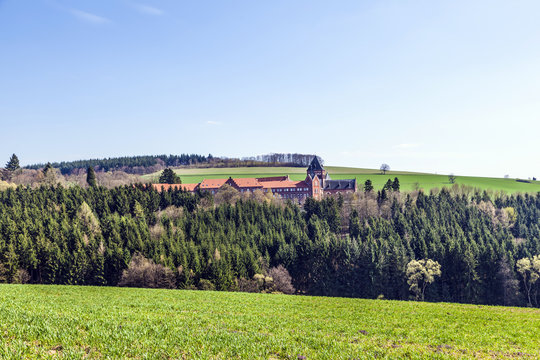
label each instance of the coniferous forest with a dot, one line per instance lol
(353, 246)
(145, 164)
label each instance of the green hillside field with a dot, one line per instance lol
(408, 180)
(70, 322)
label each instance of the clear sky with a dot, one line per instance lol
(435, 86)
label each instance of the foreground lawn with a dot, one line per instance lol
(90, 322)
(408, 180)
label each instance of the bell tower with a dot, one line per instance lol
(315, 168)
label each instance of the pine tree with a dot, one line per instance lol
(169, 177)
(47, 168)
(13, 163)
(395, 184)
(368, 186)
(354, 224)
(388, 185)
(91, 177)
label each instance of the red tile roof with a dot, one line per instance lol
(274, 178)
(276, 182)
(190, 187)
(165, 187)
(247, 183)
(284, 184)
(212, 183)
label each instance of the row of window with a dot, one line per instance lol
(277, 190)
(291, 196)
(290, 189)
(274, 190)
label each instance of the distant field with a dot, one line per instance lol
(119, 323)
(408, 180)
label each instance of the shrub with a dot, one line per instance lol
(143, 272)
(4, 274)
(206, 285)
(22, 277)
(248, 285)
(282, 280)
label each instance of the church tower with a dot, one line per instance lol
(315, 168)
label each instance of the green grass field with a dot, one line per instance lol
(70, 322)
(408, 180)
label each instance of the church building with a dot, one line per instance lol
(316, 184)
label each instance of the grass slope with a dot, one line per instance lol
(408, 180)
(39, 321)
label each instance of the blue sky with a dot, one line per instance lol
(435, 86)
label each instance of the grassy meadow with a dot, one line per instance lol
(70, 322)
(408, 180)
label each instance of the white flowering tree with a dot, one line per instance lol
(529, 268)
(420, 273)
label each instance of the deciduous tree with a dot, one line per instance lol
(419, 274)
(529, 268)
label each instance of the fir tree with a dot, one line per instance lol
(368, 186)
(395, 184)
(13, 163)
(91, 177)
(388, 185)
(47, 168)
(169, 177)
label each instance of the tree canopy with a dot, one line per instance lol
(352, 246)
(168, 176)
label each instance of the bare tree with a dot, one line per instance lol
(282, 280)
(384, 168)
(227, 195)
(143, 272)
(509, 285)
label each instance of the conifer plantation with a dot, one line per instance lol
(353, 247)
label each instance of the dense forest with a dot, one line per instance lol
(129, 164)
(354, 246)
(150, 163)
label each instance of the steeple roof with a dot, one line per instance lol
(315, 165)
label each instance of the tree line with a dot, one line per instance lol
(129, 164)
(300, 160)
(145, 164)
(359, 245)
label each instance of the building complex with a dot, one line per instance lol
(315, 185)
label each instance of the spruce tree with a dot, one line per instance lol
(13, 163)
(169, 177)
(388, 185)
(91, 177)
(395, 184)
(368, 186)
(47, 168)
